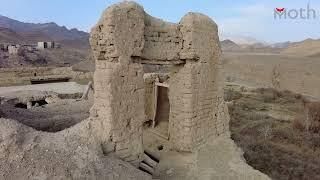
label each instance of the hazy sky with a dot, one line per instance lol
(251, 18)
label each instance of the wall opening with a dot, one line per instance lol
(161, 121)
(21, 105)
(39, 103)
(50, 81)
(33, 103)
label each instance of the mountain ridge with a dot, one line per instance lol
(51, 30)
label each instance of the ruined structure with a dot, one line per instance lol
(4, 47)
(14, 49)
(147, 70)
(123, 41)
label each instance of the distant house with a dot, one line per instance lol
(46, 45)
(14, 49)
(57, 45)
(4, 47)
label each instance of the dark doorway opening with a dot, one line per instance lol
(21, 105)
(34, 104)
(39, 103)
(161, 123)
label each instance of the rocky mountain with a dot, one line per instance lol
(8, 35)
(231, 46)
(46, 30)
(228, 45)
(281, 44)
(241, 40)
(74, 43)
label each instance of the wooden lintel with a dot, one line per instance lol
(159, 62)
(162, 84)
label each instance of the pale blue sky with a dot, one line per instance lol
(251, 18)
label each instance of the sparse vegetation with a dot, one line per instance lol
(230, 95)
(270, 127)
(310, 120)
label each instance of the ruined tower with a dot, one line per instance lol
(124, 40)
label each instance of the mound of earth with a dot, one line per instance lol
(29, 154)
(54, 140)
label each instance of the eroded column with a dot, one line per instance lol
(119, 89)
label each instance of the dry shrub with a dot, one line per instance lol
(311, 118)
(229, 79)
(230, 95)
(268, 98)
(298, 96)
(315, 141)
(298, 124)
(312, 115)
(243, 89)
(271, 95)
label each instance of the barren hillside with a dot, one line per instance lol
(297, 74)
(228, 45)
(51, 30)
(307, 48)
(74, 44)
(8, 35)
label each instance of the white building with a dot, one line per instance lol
(46, 45)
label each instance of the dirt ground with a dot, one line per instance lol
(297, 74)
(43, 141)
(50, 117)
(219, 158)
(262, 124)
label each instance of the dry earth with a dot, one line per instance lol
(306, 48)
(297, 74)
(39, 142)
(263, 125)
(219, 158)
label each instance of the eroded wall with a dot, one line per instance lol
(162, 41)
(118, 81)
(196, 88)
(124, 39)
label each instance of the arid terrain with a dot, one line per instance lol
(155, 100)
(268, 95)
(74, 44)
(277, 70)
(269, 127)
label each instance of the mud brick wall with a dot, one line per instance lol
(197, 111)
(124, 39)
(163, 40)
(119, 87)
(149, 80)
